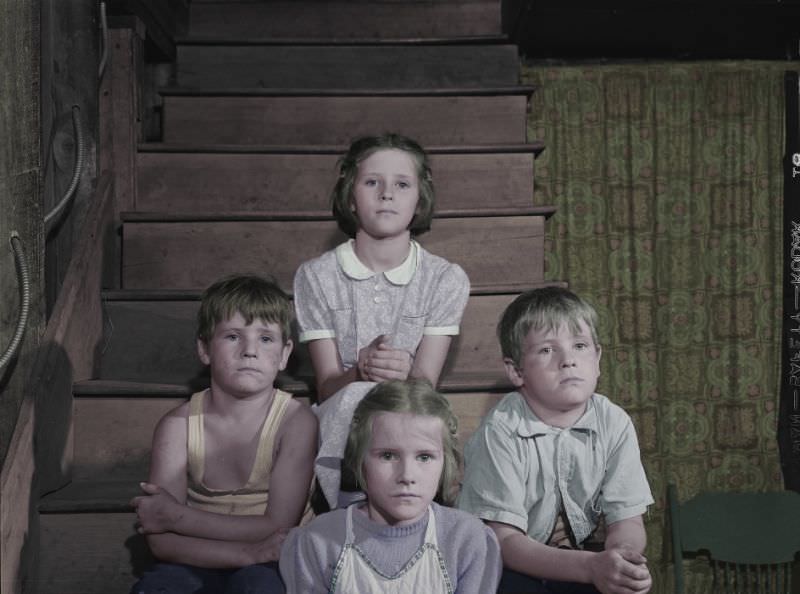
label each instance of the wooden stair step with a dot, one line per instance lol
(89, 553)
(350, 41)
(113, 435)
(345, 19)
(241, 178)
(91, 495)
(193, 254)
(346, 66)
(247, 116)
(154, 341)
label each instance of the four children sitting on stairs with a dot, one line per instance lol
(231, 469)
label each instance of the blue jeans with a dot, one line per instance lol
(173, 578)
(514, 582)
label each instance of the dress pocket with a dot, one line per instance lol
(409, 332)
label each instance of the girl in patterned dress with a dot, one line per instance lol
(379, 306)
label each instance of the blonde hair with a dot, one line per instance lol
(416, 397)
(542, 309)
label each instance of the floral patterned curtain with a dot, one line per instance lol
(668, 182)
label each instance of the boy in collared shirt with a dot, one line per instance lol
(554, 458)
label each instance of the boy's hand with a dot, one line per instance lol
(620, 571)
(269, 549)
(157, 511)
(379, 361)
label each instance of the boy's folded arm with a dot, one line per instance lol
(627, 534)
(290, 482)
(612, 570)
(530, 557)
(213, 554)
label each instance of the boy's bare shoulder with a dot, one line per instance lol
(174, 417)
(299, 415)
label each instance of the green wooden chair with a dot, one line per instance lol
(750, 538)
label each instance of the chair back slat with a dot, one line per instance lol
(751, 539)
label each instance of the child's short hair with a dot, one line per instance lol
(254, 297)
(362, 148)
(542, 309)
(416, 397)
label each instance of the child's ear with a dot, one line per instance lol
(287, 350)
(513, 372)
(202, 351)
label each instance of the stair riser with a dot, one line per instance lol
(154, 341)
(347, 67)
(113, 435)
(89, 553)
(182, 182)
(192, 255)
(345, 20)
(337, 120)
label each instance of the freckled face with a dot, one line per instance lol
(386, 193)
(402, 467)
(558, 372)
(244, 358)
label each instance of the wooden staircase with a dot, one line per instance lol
(265, 96)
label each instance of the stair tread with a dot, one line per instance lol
(455, 382)
(533, 146)
(96, 495)
(194, 294)
(341, 41)
(309, 215)
(175, 91)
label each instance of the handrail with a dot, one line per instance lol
(80, 157)
(25, 286)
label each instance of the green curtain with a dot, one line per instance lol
(668, 183)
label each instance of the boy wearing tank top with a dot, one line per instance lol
(231, 468)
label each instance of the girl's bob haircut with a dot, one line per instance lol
(416, 397)
(545, 308)
(362, 148)
(254, 297)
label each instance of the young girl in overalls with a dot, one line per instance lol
(379, 306)
(402, 449)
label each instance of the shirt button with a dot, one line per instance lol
(378, 288)
(377, 299)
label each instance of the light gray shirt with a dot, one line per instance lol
(521, 471)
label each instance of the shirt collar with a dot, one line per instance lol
(355, 269)
(529, 424)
